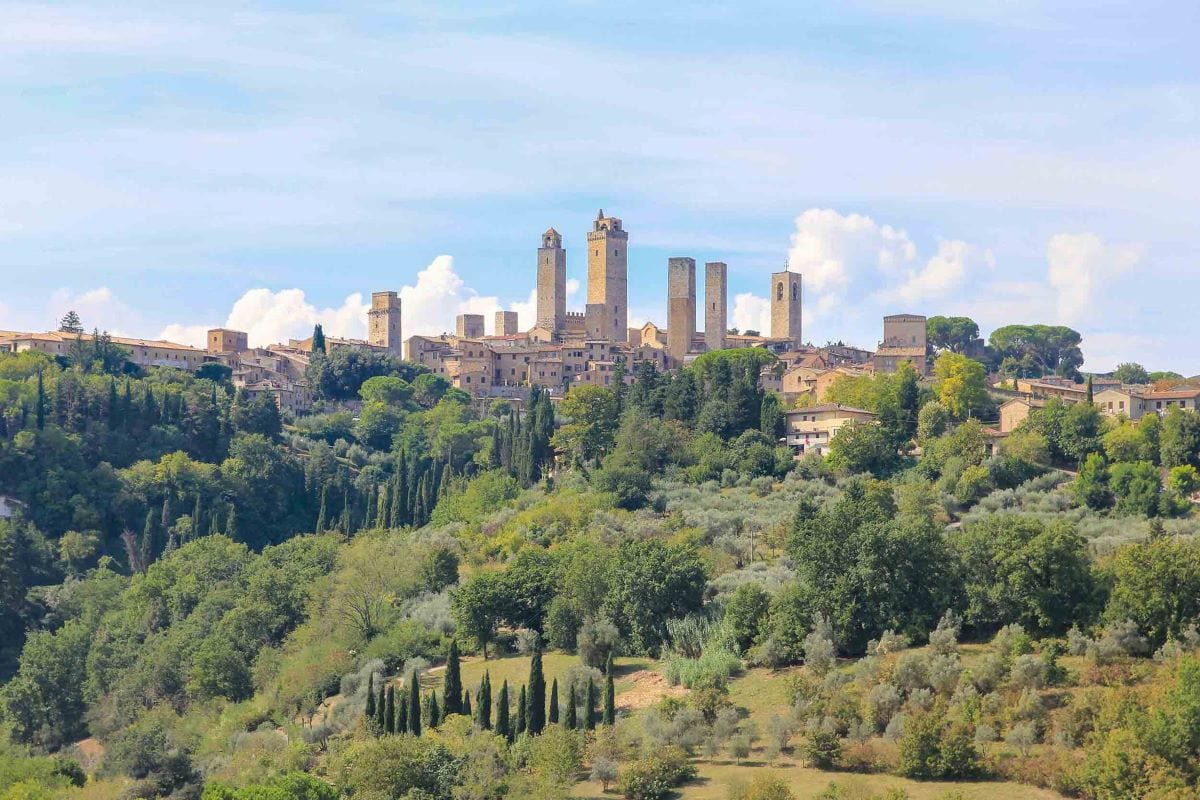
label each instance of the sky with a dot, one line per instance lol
(165, 168)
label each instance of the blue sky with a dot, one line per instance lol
(166, 168)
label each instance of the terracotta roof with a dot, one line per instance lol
(1173, 394)
(829, 407)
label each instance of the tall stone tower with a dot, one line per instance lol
(383, 321)
(608, 274)
(468, 326)
(506, 323)
(716, 304)
(551, 282)
(681, 306)
(785, 307)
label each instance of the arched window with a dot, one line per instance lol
(794, 290)
(779, 291)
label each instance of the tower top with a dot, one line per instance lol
(600, 215)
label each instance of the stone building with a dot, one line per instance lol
(716, 305)
(383, 322)
(608, 276)
(551, 282)
(681, 307)
(904, 341)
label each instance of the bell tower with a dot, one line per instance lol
(551, 282)
(785, 307)
(608, 275)
(383, 321)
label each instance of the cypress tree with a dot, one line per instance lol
(398, 494)
(114, 408)
(231, 523)
(370, 712)
(380, 710)
(389, 713)
(553, 717)
(402, 715)
(435, 717)
(610, 695)
(570, 720)
(41, 402)
(502, 728)
(321, 514)
(318, 339)
(384, 519)
(522, 719)
(414, 705)
(535, 712)
(452, 684)
(485, 701)
(590, 702)
(465, 708)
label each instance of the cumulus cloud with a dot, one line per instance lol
(97, 308)
(835, 251)
(1080, 262)
(751, 312)
(944, 273)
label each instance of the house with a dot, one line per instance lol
(1016, 411)
(1161, 402)
(1120, 402)
(9, 507)
(809, 430)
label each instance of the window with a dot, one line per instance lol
(779, 291)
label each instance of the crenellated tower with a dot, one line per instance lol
(608, 275)
(551, 283)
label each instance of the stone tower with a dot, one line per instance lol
(608, 274)
(469, 326)
(716, 303)
(383, 321)
(551, 282)
(785, 307)
(681, 306)
(506, 323)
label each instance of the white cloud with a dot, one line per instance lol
(751, 312)
(835, 251)
(270, 317)
(97, 308)
(1078, 264)
(944, 272)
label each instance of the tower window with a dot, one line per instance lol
(779, 291)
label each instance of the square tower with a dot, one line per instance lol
(468, 326)
(716, 304)
(608, 274)
(223, 340)
(383, 321)
(681, 306)
(551, 282)
(506, 323)
(785, 307)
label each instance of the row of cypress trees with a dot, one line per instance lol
(387, 715)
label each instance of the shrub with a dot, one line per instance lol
(822, 749)
(654, 776)
(764, 786)
(711, 670)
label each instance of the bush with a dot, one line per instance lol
(822, 749)
(712, 670)
(654, 776)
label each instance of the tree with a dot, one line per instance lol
(476, 605)
(1091, 486)
(70, 323)
(389, 711)
(590, 433)
(1180, 438)
(864, 447)
(610, 695)
(1131, 373)
(484, 702)
(570, 718)
(589, 705)
(522, 725)
(502, 722)
(746, 614)
(932, 421)
(771, 418)
(822, 749)
(414, 703)
(652, 582)
(960, 384)
(956, 334)
(1156, 584)
(318, 339)
(1036, 350)
(604, 772)
(535, 715)
(399, 766)
(552, 717)
(1136, 486)
(452, 691)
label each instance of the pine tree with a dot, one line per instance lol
(589, 712)
(570, 719)
(502, 728)
(452, 683)
(402, 715)
(522, 719)
(610, 695)
(389, 713)
(370, 712)
(414, 705)
(485, 702)
(553, 716)
(535, 712)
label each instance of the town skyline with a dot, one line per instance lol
(161, 169)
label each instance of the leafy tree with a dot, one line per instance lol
(960, 384)
(1136, 486)
(746, 614)
(1091, 487)
(652, 582)
(477, 605)
(956, 334)
(932, 421)
(864, 447)
(1129, 372)
(592, 412)
(1156, 584)
(399, 766)
(1017, 569)
(1180, 438)
(1035, 350)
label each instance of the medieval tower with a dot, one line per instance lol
(383, 321)
(551, 282)
(785, 307)
(681, 306)
(608, 275)
(716, 301)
